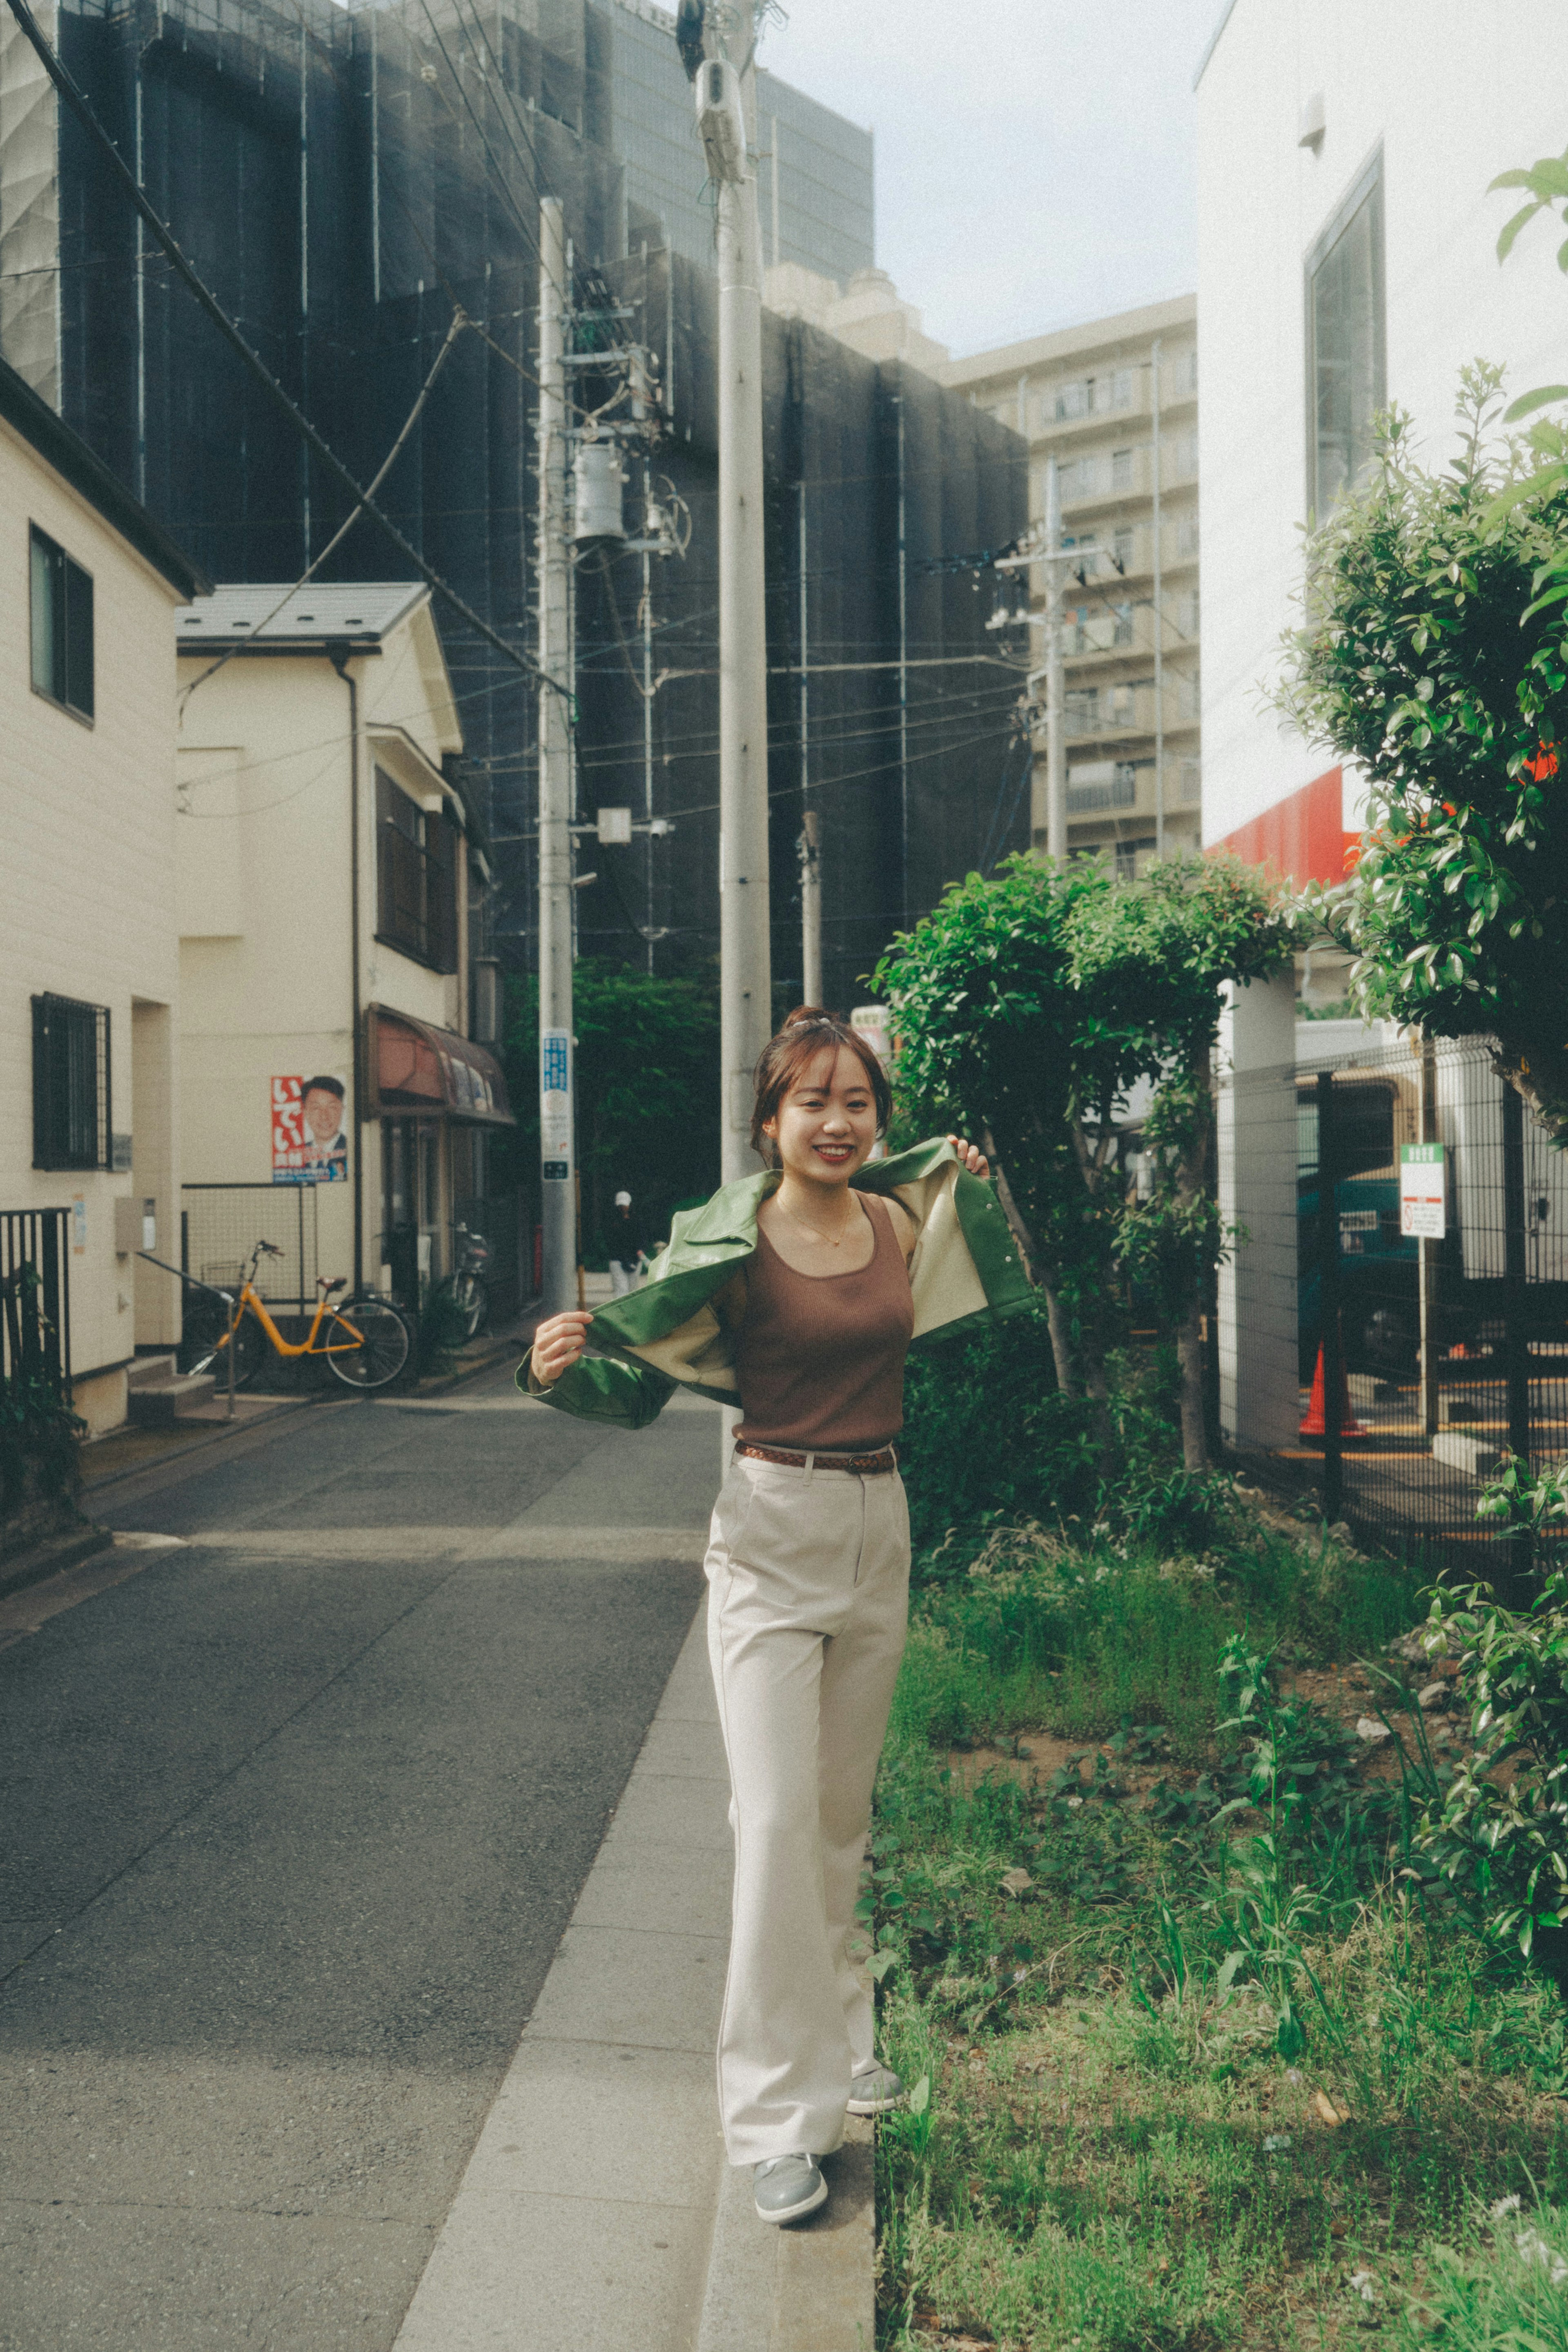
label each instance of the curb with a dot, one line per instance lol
(45, 1560)
(597, 2212)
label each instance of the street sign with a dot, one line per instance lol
(555, 1105)
(1423, 1194)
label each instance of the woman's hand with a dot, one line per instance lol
(558, 1344)
(970, 1156)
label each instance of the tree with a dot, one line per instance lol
(647, 1090)
(1029, 1006)
(1429, 655)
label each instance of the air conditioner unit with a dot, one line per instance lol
(721, 124)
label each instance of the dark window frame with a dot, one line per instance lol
(417, 865)
(73, 1094)
(61, 643)
(1366, 191)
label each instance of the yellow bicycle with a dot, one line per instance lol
(365, 1340)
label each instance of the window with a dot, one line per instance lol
(1072, 402)
(1080, 708)
(62, 629)
(1186, 453)
(1122, 388)
(1122, 633)
(1121, 701)
(70, 1083)
(1106, 785)
(416, 878)
(1345, 363)
(1121, 469)
(1191, 783)
(1124, 546)
(1186, 533)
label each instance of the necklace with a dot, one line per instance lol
(816, 1230)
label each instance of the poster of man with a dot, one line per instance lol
(309, 1145)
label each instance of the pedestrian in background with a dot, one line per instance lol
(811, 1308)
(626, 1247)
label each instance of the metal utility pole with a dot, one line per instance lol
(1159, 611)
(1429, 1254)
(557, 1192)
(726, 104)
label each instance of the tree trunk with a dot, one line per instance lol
(1192, 1180)
(1062, 1348)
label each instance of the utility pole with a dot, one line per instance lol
(557, 1192)
(810, 834)
(1048, 809)
(1159, 609)
(726, 103)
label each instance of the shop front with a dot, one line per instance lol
(441, 1103)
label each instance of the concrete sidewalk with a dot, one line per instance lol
(597, 2213)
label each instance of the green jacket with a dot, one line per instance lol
(680, 1329)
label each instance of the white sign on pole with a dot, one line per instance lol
(1423, 1193)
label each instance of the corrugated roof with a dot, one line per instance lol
(272, 613)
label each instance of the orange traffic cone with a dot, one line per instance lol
(1315, 1424)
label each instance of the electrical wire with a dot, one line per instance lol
(458, 323)
(66, 83)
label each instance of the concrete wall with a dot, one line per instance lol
(1257, 1118)
(1455, 92)
(89, 819)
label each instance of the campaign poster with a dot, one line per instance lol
(310, 1133)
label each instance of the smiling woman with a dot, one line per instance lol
(800, 1292)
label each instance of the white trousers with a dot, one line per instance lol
(808, 1598)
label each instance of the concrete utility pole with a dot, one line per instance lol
(726, 103)
(557, 1192)
(1048, 809)
(810, 830)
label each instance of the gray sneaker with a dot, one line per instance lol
(875, 2092)
(786, 2187)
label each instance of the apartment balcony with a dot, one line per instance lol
(1048, 431)
(1116, 790)
(1119, 714)
(1099, 634)
(1111, 478)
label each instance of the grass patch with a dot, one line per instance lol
(1202, 2057)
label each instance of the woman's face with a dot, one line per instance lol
(826, 1124)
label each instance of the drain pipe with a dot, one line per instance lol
(337, 652)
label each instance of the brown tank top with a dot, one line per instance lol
(821, 1360)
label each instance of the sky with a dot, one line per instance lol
(1034, 158)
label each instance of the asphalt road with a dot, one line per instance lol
(292, 1821)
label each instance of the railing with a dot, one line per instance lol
(34, 1297)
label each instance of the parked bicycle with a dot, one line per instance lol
(365, 1340)
(466, 1285)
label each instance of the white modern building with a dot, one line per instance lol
(1347, 261)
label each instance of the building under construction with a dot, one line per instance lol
(350, 182)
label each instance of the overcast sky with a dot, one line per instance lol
(1034, 158)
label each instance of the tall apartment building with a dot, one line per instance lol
(1085, 399)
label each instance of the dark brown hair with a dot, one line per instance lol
(803, 1037)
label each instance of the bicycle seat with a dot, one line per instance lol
(339, 1282)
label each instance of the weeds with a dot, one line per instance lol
(1203, 2052)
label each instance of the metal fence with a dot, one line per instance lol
(34, 1297)
(1389, 1373)
(220, 1224)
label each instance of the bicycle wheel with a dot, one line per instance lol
(203, 1347)
(468, 1294)
(367, 1343)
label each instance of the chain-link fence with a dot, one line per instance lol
(220, 1224)
(1387, 1371)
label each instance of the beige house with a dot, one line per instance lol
(869, 313)
(89, 965)
(334, 1102)
(1085, 398)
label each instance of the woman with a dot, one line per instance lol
(793, 1291)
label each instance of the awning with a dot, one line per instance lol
(414, 1067)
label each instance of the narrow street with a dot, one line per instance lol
(293, 1819)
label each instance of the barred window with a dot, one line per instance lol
(416, 878)
(61, 611)
(70, 1083)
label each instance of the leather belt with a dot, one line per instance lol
(865, 1465)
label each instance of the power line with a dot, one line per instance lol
(69, 91)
